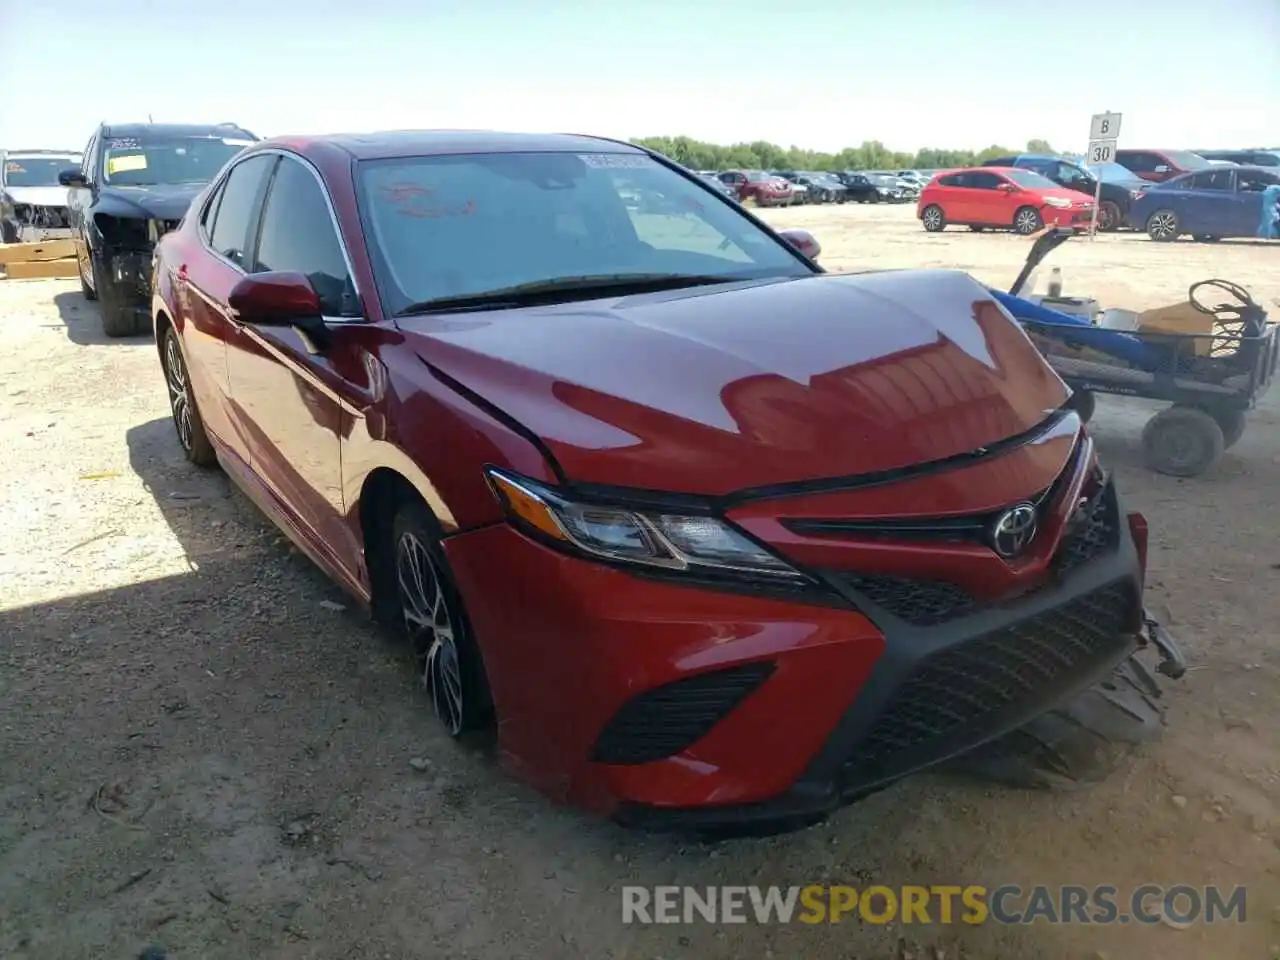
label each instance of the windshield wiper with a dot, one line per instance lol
(523, 294)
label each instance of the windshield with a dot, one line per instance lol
(36, 171)
(1031, 179)
(758, 176)
(454, 226)
(1112, 173)
(134, 162)
(1187, 160)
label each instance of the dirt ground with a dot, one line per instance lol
(200, 751)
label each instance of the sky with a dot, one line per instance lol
(820, 74)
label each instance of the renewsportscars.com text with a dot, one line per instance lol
(972, 904)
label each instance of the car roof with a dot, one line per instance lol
(417, 143)
(172, 129)
(40, 152)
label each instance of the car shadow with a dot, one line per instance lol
(84, 323)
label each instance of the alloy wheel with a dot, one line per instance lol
(932, 218)
(431, 626)
(1163, 225)
(1026, 222)
(175, 375)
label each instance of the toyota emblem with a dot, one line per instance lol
(1014, 530)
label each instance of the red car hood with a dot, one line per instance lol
(715, 389)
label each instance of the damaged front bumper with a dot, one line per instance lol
(35, 223)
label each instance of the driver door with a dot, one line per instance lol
(294, 402)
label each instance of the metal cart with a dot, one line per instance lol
(1210, 380)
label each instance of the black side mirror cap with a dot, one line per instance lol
(72, 178)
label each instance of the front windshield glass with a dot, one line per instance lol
(36, 171)
(759, 176)
(455, 226)
(1187, 160)
(1031, 179)
(1112, 173)
(135, 162)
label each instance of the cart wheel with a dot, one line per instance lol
(1232, 424)
(1084, 403)
(1182, 442)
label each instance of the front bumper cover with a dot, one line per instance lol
(857, 758)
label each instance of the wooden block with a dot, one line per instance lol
(36, 269)
(44, 250)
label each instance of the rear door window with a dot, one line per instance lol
(1255, 181)
(1219, 179)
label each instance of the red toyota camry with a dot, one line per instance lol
(711, 535)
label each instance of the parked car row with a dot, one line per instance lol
(784, 188)
(1164, 193)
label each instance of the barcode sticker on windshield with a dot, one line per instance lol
(14, 167)
(615, 161)
(124, 143)
(131, 161)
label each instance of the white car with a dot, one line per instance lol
(33, 206)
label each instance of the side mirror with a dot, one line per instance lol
(803, 241)
(72, 178)
(274, 299)
(1008, 187)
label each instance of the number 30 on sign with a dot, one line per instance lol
(1102, 151)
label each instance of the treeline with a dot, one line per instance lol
(871, 155)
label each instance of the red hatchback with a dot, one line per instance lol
(713, 536)
(1008, 197)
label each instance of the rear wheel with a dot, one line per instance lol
(445, 654)
(89, 293)
(1027, 220)
(933, 218)
(1163, 226)
(1232, 423)
(182, 404)
(1182, 442)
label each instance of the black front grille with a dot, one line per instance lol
(964, 686)
(49, 218)
(921, 602)
(1094, 532)
(668, 719)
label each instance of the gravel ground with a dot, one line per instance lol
(204, 748)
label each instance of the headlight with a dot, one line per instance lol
(1057, 202)
(648, 538)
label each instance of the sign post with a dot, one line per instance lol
(1104, 130)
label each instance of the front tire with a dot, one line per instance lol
(1163, 226)
(1109, 217)
(934, 220)
(1026, 221)
(118, 319)
(445, 653)
(182, 404)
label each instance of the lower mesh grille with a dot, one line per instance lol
(921, 602)
(965, 685)
(661, 722)
(1094, 534)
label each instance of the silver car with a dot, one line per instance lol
(33, 206)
